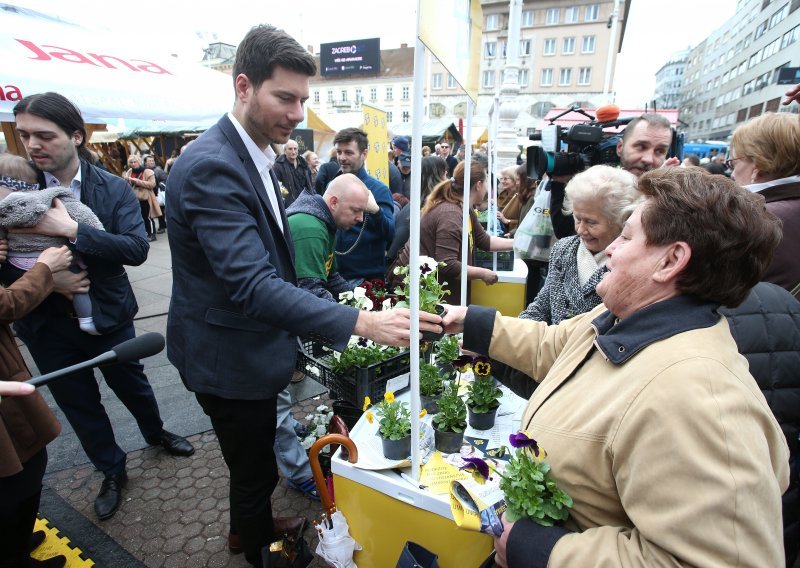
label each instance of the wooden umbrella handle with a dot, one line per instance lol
(316, 469)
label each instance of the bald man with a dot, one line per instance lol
(313, 220)
(293, 172)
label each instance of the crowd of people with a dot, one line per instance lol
(633, 352)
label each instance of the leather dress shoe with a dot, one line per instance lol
(53, 562)
(174, 444)
(37, 538)
(292, 526)
(162, 230)
(110, 496)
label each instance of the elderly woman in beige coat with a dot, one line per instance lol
(650, 418)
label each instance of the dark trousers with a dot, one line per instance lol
(60, 344)
(19, 503)
(148, 224)
(246, 433)
(537, 273)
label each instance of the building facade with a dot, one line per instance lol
(669, 81)
(732, 75)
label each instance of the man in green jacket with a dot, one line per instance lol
(313, 220)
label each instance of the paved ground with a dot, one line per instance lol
(175, 510)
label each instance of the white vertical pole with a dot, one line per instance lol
(467, 207)
(612, 43)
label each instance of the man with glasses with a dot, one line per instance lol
(445, 154)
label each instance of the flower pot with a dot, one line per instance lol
(481, 421)
(448, 442)
(429, 335)
(396, 449)
(447, 371)
(430, 403)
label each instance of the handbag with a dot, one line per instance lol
(534, 236)
(415, 555)
(512, 210)
(291, 552)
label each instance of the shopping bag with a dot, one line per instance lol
(417, 556)
(291, 552)
(534, 235)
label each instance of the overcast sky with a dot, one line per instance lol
(654, 30)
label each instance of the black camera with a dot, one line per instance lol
(588, 144)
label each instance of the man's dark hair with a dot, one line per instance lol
(347, 135)
(266, 47)
(650, 118)
(730, 231)
(694, 160)
(59, 109)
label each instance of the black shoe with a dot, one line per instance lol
(174, 444)
(151, 238)
(37, 538)
(162, 230)
(55, 562)
(110, 496)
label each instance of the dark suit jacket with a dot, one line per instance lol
(123, 242)
(236, 311)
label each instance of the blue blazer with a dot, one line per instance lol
(236, 311)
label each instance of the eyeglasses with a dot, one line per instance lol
(445, 146)
(729, 162)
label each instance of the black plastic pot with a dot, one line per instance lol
(396, 449)
(429, 335)
(448, 442)
(430, 403)
(481, 421)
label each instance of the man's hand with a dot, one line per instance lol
(673, 161)
(792, 94)
(372, 205)
(69, 283)
(500, 543)
(454, 318)
(13, 388)
(56, 222)
(393, 327)
(3, 250)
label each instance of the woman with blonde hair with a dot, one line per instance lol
(765, 159)
(313, 163)
(509, 203)
(440, 231)
(143, 182)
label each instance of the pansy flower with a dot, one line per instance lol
(462, 364)
(367, 403)
(482, 366)
(523, 440)
(378, 283)
(389, 397)
(476, 467)
(370, 417)
(363, 342)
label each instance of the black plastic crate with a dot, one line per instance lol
(360, 382)
(483, 259)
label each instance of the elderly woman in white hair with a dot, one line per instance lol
(600, 200)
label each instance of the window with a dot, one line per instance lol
(549, 46)
(741, 115)
(527, 18)
(389, 116)
(316, 96)
(587, 46)
(436, 83)
(488, 79)
(344, 95)
(565, 76)
(591, 13)
(546, 79)
(762, 27)
(406, 116)
(773, 105)
(451, 81)
(359, 98)
(790, 37)
(490, 49)
(388, 94)
(568, 47)
(755, 59)
(756, 110)
(525, 47)
(571, 14)
(493, 22)
(373, 93)
(585, 76)
(330, 96)
(778, 16)
(406, 92)
(523, 78)
(746, 41)
(771, 48)
(552, 16)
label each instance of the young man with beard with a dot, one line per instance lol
(54, 135)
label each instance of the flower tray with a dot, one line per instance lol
(315, 361)
(483, 259)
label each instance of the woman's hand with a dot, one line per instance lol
(489, 276)
(502, 217)
(57, 258)
(500, 543)
(12, 388)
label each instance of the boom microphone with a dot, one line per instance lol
(130, 350)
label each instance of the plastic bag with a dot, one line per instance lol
(534, 236)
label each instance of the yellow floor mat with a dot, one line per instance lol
(54, 544)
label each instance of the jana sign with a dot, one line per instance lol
(101, 74)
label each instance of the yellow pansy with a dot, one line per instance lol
(370, 417)
(389, 397)
(423, 412)
(367, 403)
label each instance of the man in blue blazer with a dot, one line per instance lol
(236, 311)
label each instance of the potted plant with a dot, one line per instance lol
(446, 350)
(451, 420)
(431, 291)
(430, 386)
(394, 425)
(483, 396)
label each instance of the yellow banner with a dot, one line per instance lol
(452, 30)
(377, 130)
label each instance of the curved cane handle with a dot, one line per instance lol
(316, 469)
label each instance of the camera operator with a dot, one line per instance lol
(643, 147)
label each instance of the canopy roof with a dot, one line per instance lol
(432, 131)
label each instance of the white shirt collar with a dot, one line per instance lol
(74, 184)
(263, 159)
(756, 187)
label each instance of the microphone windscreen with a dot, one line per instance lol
(607, 113)
(139, 347)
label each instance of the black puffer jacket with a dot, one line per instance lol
(767, 331)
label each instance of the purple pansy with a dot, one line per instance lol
(477, 467)
(462, 363)
(522, 440)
